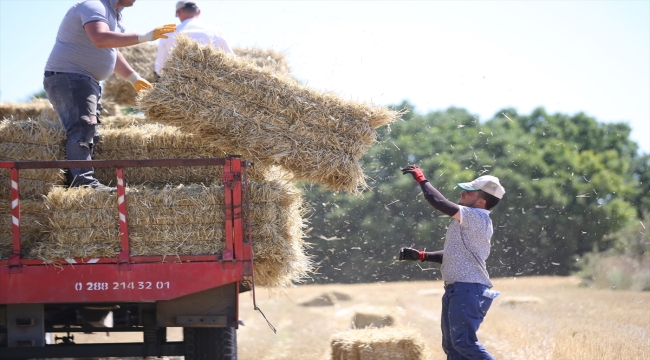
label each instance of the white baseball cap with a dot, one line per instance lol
(488, 183)
(188, 4)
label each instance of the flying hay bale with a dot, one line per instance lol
(34, 140)
(321, 300)
(141, 57)
(373, 317)
(28, 110)
(268, 118)
(378, 344)
(183, 220)
(32, 215)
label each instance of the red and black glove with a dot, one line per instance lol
(416, 172)
(411, 254)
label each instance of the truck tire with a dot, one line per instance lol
(210, 343)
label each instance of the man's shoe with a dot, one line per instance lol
(96, 185)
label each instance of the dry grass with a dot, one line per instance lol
(267, 118)
(265, 58)
(38, 139)
(28, 110)
(572, 323)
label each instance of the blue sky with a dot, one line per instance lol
(565, 56)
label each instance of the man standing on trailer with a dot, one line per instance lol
(467, 297)
(85, 53)
(188, 13)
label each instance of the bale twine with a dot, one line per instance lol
(28, 110)
(182, 220)
(269, 119)
(378, 344)
(141, 57)
(32, 216)
(37, 139)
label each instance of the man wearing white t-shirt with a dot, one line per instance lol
(467, 297)
(188, 12)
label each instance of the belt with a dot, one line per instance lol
(52, 73)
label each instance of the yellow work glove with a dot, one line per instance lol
(157, 33)
(138, 82)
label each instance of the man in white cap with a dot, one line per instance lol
(467, 295)
(188, 13)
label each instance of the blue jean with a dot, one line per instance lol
(463, 310)
(75, 98)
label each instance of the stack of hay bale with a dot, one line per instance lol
(179, 210)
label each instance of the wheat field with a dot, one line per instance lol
(533, 318)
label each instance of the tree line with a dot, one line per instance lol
(570, 181)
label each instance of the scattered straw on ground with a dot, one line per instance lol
(141, 57)
(268, 118)
(28, 110)
(378, 344)
(38, 139)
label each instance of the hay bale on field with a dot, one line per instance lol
(141, 57)
(268, 118)
(32, 215)
(339, 296)
(36, 108)
(321, 300)
(519, 300)
(183, 220)
(378, 344)
(372, 317)
(37, 139)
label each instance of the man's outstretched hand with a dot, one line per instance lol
(410, 254)
(416, 172)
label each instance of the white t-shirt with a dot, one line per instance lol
(467, 246)
(195, 29)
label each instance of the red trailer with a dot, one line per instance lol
(144, 294)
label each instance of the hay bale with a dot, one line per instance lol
(121, 121)
(37, 139)
(142, 140)
(519, 300)
(372, 317)
(268, 118)
(377, 344)
(141, 57)
(28, 110)
(321, 300)
(32, 215)
(183, 220)
(265, 58)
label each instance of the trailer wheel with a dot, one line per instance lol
(210, 343)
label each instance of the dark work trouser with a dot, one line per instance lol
(75, 98)
(463, 310)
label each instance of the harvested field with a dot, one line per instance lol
(267, 118)
(38, 139)
(36, 108)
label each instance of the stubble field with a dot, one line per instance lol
(533, 318)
